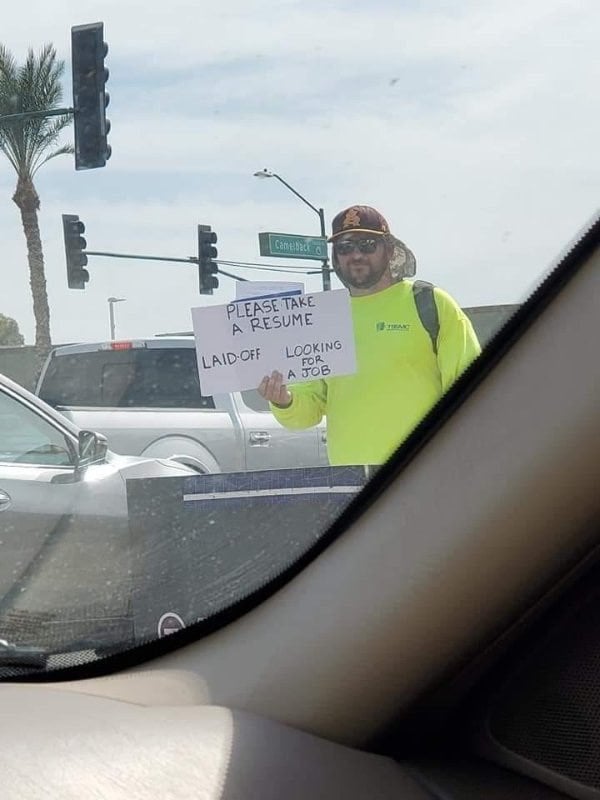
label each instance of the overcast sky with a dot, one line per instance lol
(472, 125)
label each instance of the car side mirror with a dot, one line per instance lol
(92, 448)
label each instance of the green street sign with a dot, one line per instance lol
(289, 245)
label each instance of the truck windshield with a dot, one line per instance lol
(138, 377)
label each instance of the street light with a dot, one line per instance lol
(111, 313)
(265, 173)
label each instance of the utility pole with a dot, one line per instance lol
(325, 270)
(111, 314)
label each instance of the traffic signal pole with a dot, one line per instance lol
(77, 256)
(90, 98)
(325, 268)
(189, 260)
(56, 112)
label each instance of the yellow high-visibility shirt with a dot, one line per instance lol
(398, 377)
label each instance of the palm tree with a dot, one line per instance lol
(28, 143)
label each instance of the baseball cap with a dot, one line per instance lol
(361, 219)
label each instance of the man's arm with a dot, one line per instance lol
(457, 342)
(302, 406)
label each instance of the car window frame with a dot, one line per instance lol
(70, 439)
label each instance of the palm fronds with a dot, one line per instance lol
(34, 86)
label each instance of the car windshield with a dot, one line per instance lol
(232, 295)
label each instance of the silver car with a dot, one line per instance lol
(64, 534)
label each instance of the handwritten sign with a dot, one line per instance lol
(305, 337)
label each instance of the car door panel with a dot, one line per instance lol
(271, 446)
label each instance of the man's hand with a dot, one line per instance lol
(275, 391)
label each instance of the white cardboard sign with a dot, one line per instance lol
(304, 337)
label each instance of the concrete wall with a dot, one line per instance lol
(20, 364)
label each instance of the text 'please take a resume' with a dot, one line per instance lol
(304, 337)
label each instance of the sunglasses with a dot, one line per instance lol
(350, 245)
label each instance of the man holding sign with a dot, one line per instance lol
(402, 368)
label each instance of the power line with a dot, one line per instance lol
(254, 264)
(231, 275)
(262, 268)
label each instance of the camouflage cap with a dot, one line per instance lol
(361, 219)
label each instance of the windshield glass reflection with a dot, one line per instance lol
(252, 274)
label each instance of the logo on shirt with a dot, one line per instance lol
(402, 327)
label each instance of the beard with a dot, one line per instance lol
(361, 275)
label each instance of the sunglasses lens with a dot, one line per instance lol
(363, 245)
(367, 245)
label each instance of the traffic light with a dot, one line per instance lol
(207, 268)
(88, 50)
(75, 245)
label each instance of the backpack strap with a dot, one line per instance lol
(427, 310)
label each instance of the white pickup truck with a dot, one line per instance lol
(145, 397)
